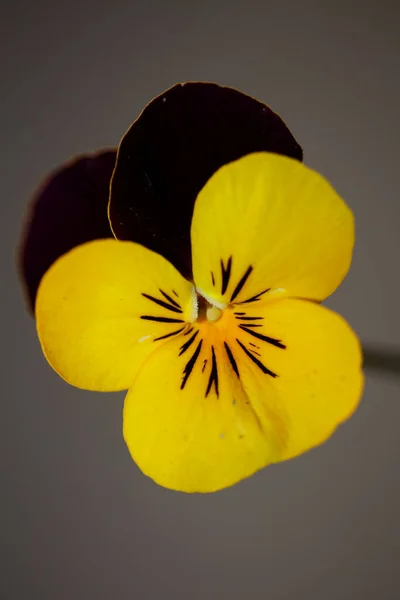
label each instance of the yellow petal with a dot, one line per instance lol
(301, 360)
(104, 307)
(241, 395)
(187, 421)
(266, 225)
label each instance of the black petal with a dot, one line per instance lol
(181, 138)
(69, 209)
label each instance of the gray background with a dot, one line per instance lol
(78, 518)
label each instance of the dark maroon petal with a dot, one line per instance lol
(68, 210)
(181, 138)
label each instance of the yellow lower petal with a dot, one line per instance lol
(203, 437)
(212, 408)
(104, 307)
(315, 359)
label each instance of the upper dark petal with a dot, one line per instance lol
(181, 138)
(69, 209)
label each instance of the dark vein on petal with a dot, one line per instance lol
(241, 283)
(226, 274)
(255, 360)
(162, 303)
(214, 374)
(161, 319)
(249, 318)
(162, 337)
(171, 300)
(264, 338)
(187, 344)
(232, 359)
(254, 298)
(189, 331)
(190, 364)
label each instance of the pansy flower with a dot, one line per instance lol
(238, 369)
(230, 360)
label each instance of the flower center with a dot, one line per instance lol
(207, 311)
(213, 313)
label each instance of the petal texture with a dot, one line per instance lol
(249, 390)
(268, 224)
(104, 307)
(304, 362)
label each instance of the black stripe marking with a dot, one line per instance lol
(255, 360)
(176, 294)
(239, 313)
(226, 274)
(161, 319)
(231, 359)
(264, 338)
(187, 344)
(190, 364)
(214, 374)
(254, 352)
(189, 331)
(212, 278)
(250, 318)
(241, 283)
(204, 365)
(252, 325)
(162, 303)
(254, 345)
(162, 337)
(171, 300)
(254, 298)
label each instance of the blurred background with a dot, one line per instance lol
(78, 518)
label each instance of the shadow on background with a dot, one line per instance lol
(382, 360)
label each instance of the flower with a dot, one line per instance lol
(240, 368)
(168, 153)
